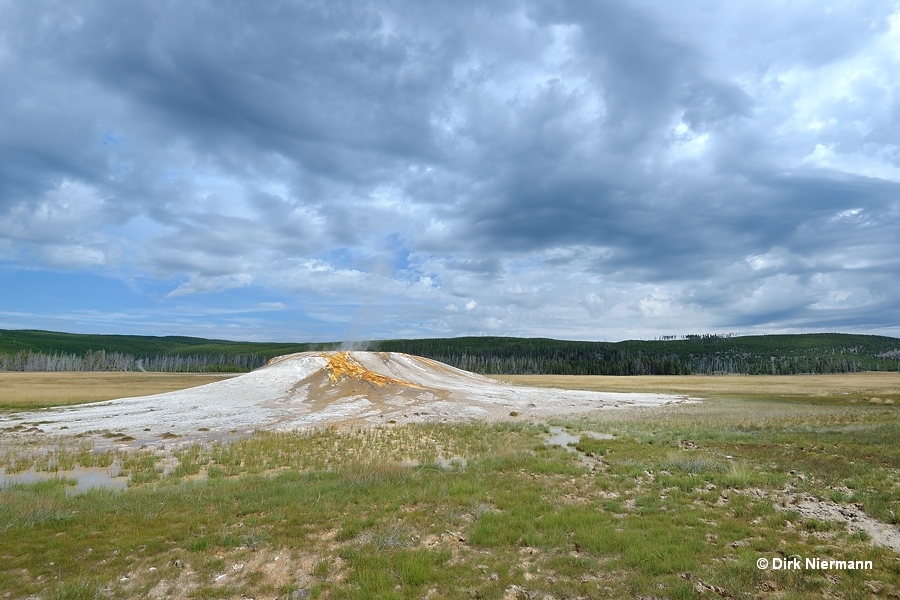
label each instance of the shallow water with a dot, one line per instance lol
(559, 436)
(87, 478)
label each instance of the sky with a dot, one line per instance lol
(326, 171)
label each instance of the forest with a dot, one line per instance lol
(709, 354)
(692, 354)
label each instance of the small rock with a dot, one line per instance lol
(874, 586)
(494, 577)
(768, 586)
(515, 592)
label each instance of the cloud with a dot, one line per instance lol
(206, 285)
(565, 169)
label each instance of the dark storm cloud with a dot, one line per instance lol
(544, 196)
(519, 167)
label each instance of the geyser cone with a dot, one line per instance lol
(312, 389)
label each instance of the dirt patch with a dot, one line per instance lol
(180, 579)
(851, 515)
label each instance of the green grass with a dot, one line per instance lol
(372, 513)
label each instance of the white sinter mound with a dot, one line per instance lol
(313, 389)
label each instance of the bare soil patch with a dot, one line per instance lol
(850, 515)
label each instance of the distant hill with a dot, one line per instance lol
(31, 350)
(34, 350)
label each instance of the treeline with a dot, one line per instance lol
(102, 360)
(706, 354)
(13, 341)
(32, 350)
(691, 354)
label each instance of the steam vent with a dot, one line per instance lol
(316, 389)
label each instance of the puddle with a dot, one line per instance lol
(559, 436)
(87, 478)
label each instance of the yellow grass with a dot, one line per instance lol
(31, 390)
(874, 387)
(21, 390)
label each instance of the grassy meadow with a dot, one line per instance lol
(681, 502)
(877, 387)
(21, 390)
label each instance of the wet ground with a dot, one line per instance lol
(83, 478)
(560, 436)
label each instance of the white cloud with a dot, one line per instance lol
(569, 169)
(204, 285)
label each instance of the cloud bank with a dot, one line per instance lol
(304, 170)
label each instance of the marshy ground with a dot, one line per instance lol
(666, 502)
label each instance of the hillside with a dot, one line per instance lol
(32, 350)
(27, 350)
